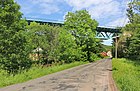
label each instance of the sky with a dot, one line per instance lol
(108, 13)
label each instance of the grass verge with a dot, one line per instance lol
(126, 74)
(32, 73)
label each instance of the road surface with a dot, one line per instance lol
(95, 76)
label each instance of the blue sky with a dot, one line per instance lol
(109, 13)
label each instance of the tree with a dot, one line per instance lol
(82, 27)
(134, 46)
(13, 49)
(58, 44)
(131, 32)
(133, 11)
(130, 12)
(46, 38)
(68, 49)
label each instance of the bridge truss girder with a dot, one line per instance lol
(101, 32)
(107, 33)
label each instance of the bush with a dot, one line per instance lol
(94, 57)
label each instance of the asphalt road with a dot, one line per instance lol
(95, 76)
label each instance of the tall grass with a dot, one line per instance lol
(32, 73)
(126, 74)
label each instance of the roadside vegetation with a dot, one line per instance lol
(126, 74)
(129, 40)
(126, 71)
(33, 72)
(25, 49)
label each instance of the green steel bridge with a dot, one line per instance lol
(103, 33)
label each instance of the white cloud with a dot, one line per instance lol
(41, 1)
(118, 22)
(97, 8)
(80, 4)
(40, 7)
(105, 10)
(26, 10)
(102, 10)
(48, 8)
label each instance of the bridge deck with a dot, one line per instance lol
(98, 29)
(103, 33)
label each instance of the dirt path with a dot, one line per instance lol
(90, 77)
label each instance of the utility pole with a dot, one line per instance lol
(116, 46)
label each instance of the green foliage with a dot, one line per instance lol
(94, 57)
(13, 49)
(20, 41)
(106, 47)
(57, 43)
(44, 37)
(129, 41)
(82, 27)
(130, 12)
(134, 47)
(68, 49)
(126, 74)
(33, 72)
(133, 11)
